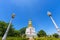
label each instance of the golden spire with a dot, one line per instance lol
(30, 23)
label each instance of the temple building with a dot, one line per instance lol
(30, 30)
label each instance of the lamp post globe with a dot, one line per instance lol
(49, 13)
(13, 15)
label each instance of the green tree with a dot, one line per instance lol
(16, 33)
(3, 27)
(11, 31)
(55, 35)
(22, 31)
(41, 33)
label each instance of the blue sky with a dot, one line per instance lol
(36, 10)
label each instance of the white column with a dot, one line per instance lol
(5, 35)
(57, 28)
(55, 25)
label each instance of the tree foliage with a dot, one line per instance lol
(55, 35)
(3, 27)
(41, 33)
(16, 33)
(12, 31)
(22, 31)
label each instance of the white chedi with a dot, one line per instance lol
(30, 31)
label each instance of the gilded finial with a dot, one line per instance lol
(30, 23)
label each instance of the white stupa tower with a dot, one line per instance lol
(30, 30)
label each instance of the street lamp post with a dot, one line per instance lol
(5, 35)
(57, 28)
